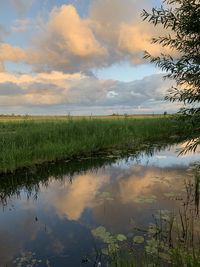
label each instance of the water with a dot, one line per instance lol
(46, 216)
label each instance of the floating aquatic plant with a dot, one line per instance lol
(138, 239)
(146, 199)
(27, 259)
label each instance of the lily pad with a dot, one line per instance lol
(101, 233)
(105, 196)
(121, 237)
(138, 239)
(146, 199)
(171, 194)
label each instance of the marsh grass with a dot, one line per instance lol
(27, 142)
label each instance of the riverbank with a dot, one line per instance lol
(24, 143)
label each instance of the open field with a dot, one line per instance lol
(27, 142)
(67, 117)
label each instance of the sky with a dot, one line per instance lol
(80, 57)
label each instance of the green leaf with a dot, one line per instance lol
(101, 233)
(138, 239)
(121, 237)
(146, 199)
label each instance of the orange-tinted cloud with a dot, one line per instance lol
(11, 53)
(54, 77)
(112, 32)
(2, 69)
(77, 37)
(144, 182)
(76, 197)
(57, 88)
(66, 42)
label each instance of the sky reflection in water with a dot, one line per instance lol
(56, 223)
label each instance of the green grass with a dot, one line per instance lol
(27, 142)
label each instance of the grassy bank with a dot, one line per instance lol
(27, 142)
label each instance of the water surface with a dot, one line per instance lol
(48, 215)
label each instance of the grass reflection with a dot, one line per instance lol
(31, 179)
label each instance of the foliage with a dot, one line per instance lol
(181, 21)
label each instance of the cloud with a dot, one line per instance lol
(143, 183)
(76, 37)
(66, 48)
(66, 43)
(119, 26)
(133, 185)
(57, 78)
(42, 89)
(112, 32)
(10, 53)
(21, 25)
(3, 32)
(74, 198)
(134, 40)
(21, 6)
(77, 91)
(2, 69)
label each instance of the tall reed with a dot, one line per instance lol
(23, 143)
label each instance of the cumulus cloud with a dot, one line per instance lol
(70, 43)
(112, 32)
(119, 26)
(66, 43)
(66, 49)
(11, 53)
(76, 37)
